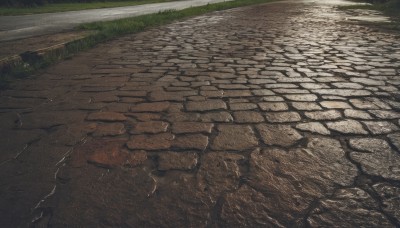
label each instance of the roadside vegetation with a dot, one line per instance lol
(14, 8)
(390, 8)
(111, 29)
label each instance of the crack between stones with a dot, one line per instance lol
(60, 164)
(27, 145)
(367, 186)
(37, 207)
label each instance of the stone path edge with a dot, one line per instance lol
(29, 57)
(7, 63)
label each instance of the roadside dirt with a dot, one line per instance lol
(16, 47)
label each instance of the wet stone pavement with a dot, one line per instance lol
(274, 115)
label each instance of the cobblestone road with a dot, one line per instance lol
(275, 115)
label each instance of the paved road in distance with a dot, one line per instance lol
(18, 27)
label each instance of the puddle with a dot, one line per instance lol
(334, 2)
(352, 14)
(367, 16)
(369, 19)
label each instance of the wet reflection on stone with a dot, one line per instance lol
(273, 115)
(348, 208)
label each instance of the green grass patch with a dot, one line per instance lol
(111, 29)
(62, 7)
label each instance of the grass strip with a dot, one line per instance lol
(63, 7)
(111, 29)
